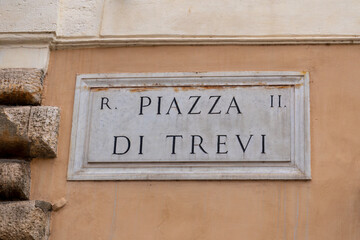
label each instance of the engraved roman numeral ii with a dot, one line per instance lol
(272, 101)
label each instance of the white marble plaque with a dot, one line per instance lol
(164, 126)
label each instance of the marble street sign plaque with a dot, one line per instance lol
(168, 126)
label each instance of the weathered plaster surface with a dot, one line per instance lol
(229, 17)
(28, 15)
(205, 18)
(79, 18)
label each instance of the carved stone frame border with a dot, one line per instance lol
(297, 169)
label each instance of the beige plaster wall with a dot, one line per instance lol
(327, 207)
(28, 16)
(230, 17)
(120, 18)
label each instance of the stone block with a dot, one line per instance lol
(29, 132)
(26, 220)
(21, 86)
(14, 180)
(43, 131)
(14, 123)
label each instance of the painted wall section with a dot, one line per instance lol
(327, 207)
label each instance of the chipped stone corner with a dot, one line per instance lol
(21, 86)
(59, 204)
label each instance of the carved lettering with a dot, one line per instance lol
(193, 106)
(217, 98)
(142, 103)
(193, 144)
(173, 142)
(115, 152)
(176, 106)
(241, 144)
(104, 101)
